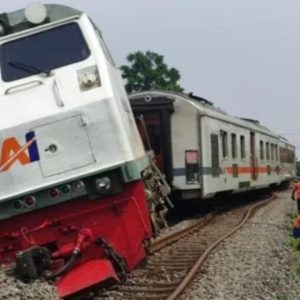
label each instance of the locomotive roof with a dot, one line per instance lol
(207, 108)
(55, 12)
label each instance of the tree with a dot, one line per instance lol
(298, 168)
(147, 71)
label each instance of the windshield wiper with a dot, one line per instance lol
(29, 69)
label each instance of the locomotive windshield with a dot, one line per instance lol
(42, 52)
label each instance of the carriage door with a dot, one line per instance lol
(253, 168)
(152, 136)
(153, 118)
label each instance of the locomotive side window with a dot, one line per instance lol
(42, 52)
(224, 140)
(242, 145)
(262, 150)
(233, 145)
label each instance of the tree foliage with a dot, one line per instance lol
(148, 71)
(298, 168)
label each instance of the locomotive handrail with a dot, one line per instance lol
(23, 86)
(57, 92)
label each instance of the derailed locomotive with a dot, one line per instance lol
(73, 170)
(205, 152)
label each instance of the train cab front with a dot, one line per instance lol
(63, 113)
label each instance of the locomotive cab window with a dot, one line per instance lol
(42, 52)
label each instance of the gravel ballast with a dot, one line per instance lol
(255, 263)
(13, 289)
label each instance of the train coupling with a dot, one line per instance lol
(31, 263)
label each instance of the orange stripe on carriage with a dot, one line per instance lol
(247, 170)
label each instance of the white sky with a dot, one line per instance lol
(241, 54)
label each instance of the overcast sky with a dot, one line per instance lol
(244, 55)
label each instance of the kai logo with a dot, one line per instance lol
(12, 151)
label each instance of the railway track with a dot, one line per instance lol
(175, 259)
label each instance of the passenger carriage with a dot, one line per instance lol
(205, 151)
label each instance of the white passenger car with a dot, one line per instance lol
(204, 151)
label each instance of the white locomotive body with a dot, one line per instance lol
(62, 95)
(205, 151)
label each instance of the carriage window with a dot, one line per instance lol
(243, 148)
(283, 155)
(42, 52)
(233, 145)
(262, 150)
(276, 152)
(267, 151)
(224, 140)
(272, 151)
(215, 163)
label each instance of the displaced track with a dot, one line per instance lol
(176, 258)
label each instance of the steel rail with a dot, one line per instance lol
(190, 275)
(158, 244)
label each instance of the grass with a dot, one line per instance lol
(283, 297)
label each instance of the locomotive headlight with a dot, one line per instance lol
(103, 185)
(79, 186)
(36, 13)
(88, 78)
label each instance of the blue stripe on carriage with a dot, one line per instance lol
(203, 171)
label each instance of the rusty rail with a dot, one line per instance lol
(173, 237)
(190, 275)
